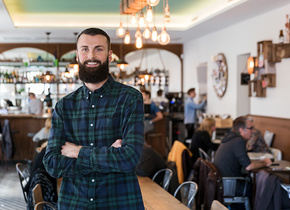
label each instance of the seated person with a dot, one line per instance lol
(257, 143)
(150, 162)
(202, 138)
(231, 157)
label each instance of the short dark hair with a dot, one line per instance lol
(240, 122)
(147, 92)
(96, 31)
(159, 92)
(190, 90)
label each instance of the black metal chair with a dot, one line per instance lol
(23, 174)
(164, 182)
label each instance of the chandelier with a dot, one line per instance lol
(142, 14)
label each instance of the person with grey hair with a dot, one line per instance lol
(231, 158)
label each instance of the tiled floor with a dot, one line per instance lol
(11, 197)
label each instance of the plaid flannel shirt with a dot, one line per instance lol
(102, 177)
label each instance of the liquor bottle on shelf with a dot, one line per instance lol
(261, 56)
(281, 37)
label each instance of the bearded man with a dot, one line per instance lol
(97, 134)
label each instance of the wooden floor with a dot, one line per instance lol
(11, 197)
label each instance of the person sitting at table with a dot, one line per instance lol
(231, 157)
(257, 143)
(202, 138)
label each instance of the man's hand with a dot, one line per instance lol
(70, 150)
(267, 161)
(117, 143)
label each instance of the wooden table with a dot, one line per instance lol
(260, 155)
(156, 198)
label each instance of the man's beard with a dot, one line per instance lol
(94, 74)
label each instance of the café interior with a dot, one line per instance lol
(234, 52)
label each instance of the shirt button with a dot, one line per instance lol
(92, 125)
(92, 144)
(101, 96)
(91, 199)
(87, 98)
(93, 106)
(93, 180)
(90, 92)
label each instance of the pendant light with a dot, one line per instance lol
(127, 38)
(121, 63)
(141, 19)
(167, 13)
(154, 34)
(153, 3)
(120, 31)
(147, 33)
(149, 14)
(133, 19)
(163, 37)
(139, 42)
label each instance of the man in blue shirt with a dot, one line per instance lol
(190, 108)
(97, 134)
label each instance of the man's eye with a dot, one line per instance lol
(85, 49)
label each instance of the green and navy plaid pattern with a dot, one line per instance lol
(102, 177)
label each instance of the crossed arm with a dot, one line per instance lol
(72, 151)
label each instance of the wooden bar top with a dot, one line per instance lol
(156, 198)
(22, 115)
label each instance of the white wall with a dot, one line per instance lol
(233, 41)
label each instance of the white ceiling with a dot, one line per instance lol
(181, 29)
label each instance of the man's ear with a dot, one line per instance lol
(110, 55)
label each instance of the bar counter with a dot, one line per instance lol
(21, 125)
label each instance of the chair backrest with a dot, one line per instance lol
(277, 153)
(167, 175)
(203, 154)
(268, 136)
(229, 189)
(216, 205)
(187, 191)
(37, 194)
(23, 174)
(47, 205)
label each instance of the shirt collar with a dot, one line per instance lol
(106, 86)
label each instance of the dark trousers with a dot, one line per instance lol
(190, 130)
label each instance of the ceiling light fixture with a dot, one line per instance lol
(120, 31)
(167, 17)
(153, 3)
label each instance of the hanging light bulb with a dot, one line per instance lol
(141, 19)
(139, 42)
(147, 33)
(138, 33)
(167, 13)
(133, 19)
(153, 3)
(127, 38)
(154, 34)
(164, 37)
(120, 31)
(149, 14)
